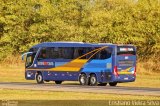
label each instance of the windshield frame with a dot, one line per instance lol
(32, 55)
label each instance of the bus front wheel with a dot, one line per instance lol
(83, 79)
(58, 82)
(113, 83)
(39, 78)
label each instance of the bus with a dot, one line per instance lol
(89, 63)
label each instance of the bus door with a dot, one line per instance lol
(125, 61)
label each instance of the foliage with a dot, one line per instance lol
(24, 23)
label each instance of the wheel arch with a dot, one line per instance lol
(85, 80)
(80, 74)
(98, 77)
(39, 81)
(95, 76)
(38, 72)
(92, 74)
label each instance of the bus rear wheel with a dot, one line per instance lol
(58, 82)
(113, 83)
(93, 80)
(39, 78)
(83, 79)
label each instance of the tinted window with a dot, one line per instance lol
(79, 52)
(53, 53)
(73, 53)
(125, 50)
(66, 53)
(42, 54)
(104, 54)
(56, 53)
(94, 54)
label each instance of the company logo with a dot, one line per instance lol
(126, 49)
(46, 63)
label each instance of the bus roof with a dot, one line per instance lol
(72, 44)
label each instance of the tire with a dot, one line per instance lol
(83, 80)
(58, 82)
(102, 84)
(113, 83)
(39, 78)
(93, 80)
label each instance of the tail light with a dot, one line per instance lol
(134, 71)
(115, 71)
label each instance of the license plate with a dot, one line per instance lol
(126, 78)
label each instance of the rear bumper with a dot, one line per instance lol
(124, 78)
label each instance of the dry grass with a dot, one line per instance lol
(149, 66)
(12, 60)
(6, 94)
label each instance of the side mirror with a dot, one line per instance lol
(24, 55)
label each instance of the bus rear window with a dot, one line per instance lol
(125, 50)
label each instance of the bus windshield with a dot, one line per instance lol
(30, 59)
(121, 50)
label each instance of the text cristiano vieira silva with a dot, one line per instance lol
(134, 103)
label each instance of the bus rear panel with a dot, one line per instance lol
(125, 65)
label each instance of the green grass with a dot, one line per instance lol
(8, 94)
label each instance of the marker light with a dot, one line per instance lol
(115, 71)
(134, 71)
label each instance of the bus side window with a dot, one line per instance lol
(79, 52)
(75, 53)
(42, 54)
(59, 53)
(103, 54)
(94, 54)
(53, 52)
(87, 51)
(68, 53)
